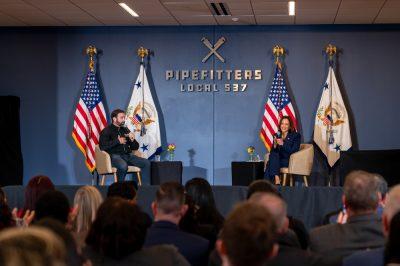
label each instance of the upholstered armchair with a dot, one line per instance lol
(300, 163)
(104, 167)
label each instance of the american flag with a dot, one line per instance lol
(89, 120)
(278, 105)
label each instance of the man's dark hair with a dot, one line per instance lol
(170, 196)
(52, 204)
(116, 112)
(125, 190)
(118, 230)
(262, 186)
(361, 191)
(248, 234)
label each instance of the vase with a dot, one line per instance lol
(171, 156)
(251, 157)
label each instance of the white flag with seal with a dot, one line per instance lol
(142, 117)
(332, 128)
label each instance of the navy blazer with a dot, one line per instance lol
(194, 248)
(291, 144)
(373, 257)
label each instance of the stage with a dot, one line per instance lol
(309, 204)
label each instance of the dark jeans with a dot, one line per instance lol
(122, 161)
(275, 163)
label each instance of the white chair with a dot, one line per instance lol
(104, 167)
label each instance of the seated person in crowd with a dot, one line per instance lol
(117, 235)
(286, 142)
(375, 257)
(363, 229)
(168, 209)
(248, 237)
(340, 216)
(33, 246)
(55, 205)
(87, 200)
(295, 226)
(119, 142)
(127, 190)
(290, 252)
(202, 217)
(392, 249)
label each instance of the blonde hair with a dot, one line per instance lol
(33, 246)
(88, 199)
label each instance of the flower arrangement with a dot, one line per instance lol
(250, 151)
(171, 150)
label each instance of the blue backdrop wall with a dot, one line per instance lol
(46, 67)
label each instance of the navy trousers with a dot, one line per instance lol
(275, 162)
(122, 161)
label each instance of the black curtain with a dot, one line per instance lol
(11, 165)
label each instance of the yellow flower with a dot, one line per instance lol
(171, 147)
(250, 150)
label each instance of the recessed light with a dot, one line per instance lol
(235, 19)
(128, 9)
(292, 8)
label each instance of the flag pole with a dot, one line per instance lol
(330, 50)
(278, 52)
(142, 52)
(91, 51)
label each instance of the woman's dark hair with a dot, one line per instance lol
(37, 186)
(52, 204)
(392, 249)
(125, 190)
(291, 125)
(118, 230)
(262, 186)
(201, 193)
(5, 213)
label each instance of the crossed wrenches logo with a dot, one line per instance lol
(213, 48)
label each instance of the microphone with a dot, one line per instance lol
(278, 135)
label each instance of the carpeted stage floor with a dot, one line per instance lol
(309, 204)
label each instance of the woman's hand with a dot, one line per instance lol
(279, 141)
(26, 220)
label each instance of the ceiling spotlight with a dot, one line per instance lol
(292, 8)
(128, 9)
(235, 19)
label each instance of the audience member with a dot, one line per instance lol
(375, 257)
(125, 190)
(32, 246)
(37, 186)
(168, 208)
(117, 235)
(6, 219)
(73, 257)
(295, 225)
(290, 252)
(53, 204)
(87, 200)
(202, 217)
(363, 228)
(248, 236)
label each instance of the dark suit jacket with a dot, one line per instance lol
(192, 247)
(158, 255)
(336, 241)
(374, 257)
(290, 145)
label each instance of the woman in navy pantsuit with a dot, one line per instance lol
(286, 142)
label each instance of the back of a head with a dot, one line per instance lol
(6, 219)
(125, 190)
(392, 205)
(33, 246)
(170, 197)
(52, 204)
(262, 186)
(201, 192)
(88, 200)
(37, 186)
(248, 235)
(118, 230)
(275, 205)
(361, 191)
